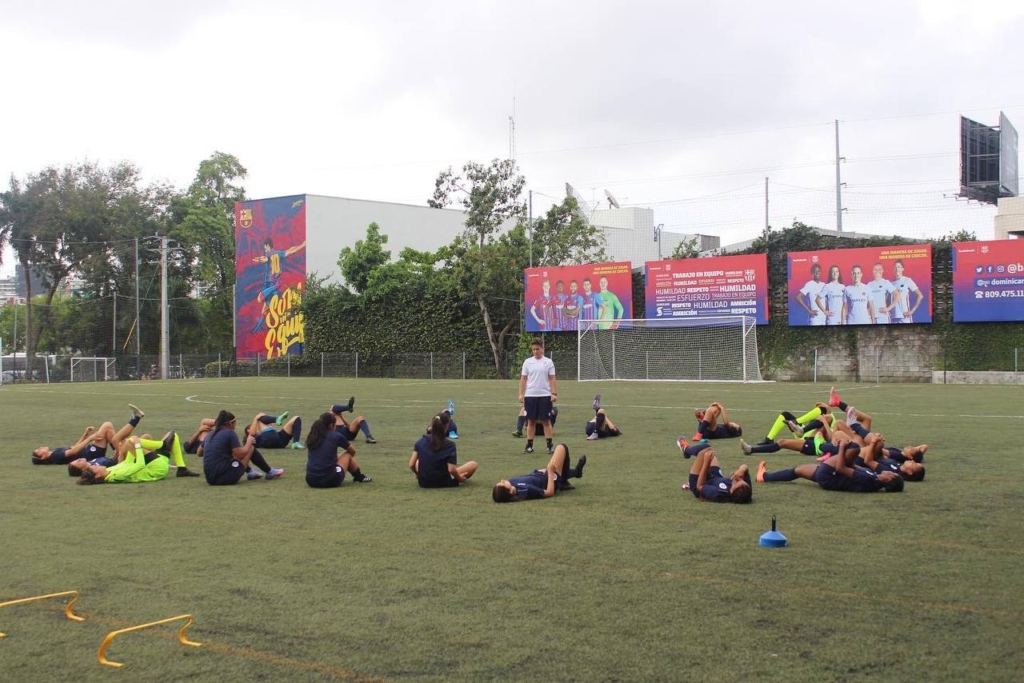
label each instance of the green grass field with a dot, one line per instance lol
(628, 578)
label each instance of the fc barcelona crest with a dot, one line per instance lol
(245, 218)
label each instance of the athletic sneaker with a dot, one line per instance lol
(699, 414)
(851, 415)
(579, 466)
(746, 447)
(697, 436)
(281, 418)
(528, 449)
(593, 436)
(761, 467)
(350, 406)
(451, 407)
(297, 445)
(682, 443)
(136, 412)
(597, 402)
(452, 435)
(794, 426)
(365, 480)
(551, 450)
(253, 474)
(518, 434)
(833, 397)
(274, 473)
(370, 439)
(186, 472)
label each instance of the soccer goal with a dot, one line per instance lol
(93, 369)
(715, 349)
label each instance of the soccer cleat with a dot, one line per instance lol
(136, 412)
(365, 480)
(297, 446)
(370, 439)
(167, 447)
(452, 435)
(597, 402)
(451, 407)
(274, 473)
(697, 436)
(281, 418)
(795, 427)
(699, 414)
(579, 466)
(253, 474)
(566, 486)
(551, 450)
(682, 443)
(851, 415)
(746, 447)
(518, 434)
(592, 436)
(833, 397)
(761, 467)
(350, 406)
(186, 472)
(528, 449)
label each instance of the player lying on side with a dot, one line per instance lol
(543, 483)
(434, 458)
(707, 482)
(713, 423)
(837, 473)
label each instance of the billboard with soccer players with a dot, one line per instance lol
(869, 286)
(988, 281)
(558, 297)
(700, 288)
(270, 276)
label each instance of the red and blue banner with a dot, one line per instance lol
(868, 286)
(270, 276)
(558, 297)
(988, 281)
(708, 287)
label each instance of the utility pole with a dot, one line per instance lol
(839, 185)
(529, 221)
(138, 332)
(165, 347)
(767, 227)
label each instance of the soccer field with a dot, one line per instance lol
(627, 578)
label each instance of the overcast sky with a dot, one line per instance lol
(684, 106)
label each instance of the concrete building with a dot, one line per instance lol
(1009, 221)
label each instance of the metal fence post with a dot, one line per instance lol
(181, 364)
(357, 365)
(288, 362)
(321, 365)
(463, 365)
(944, 361)
(219, 375)
(815, 364)
(259, 372)
(431, 365)
(878, 362)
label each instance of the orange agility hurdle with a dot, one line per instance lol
(67, 608)
(113, 634)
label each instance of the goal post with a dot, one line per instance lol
(93, 369)
(713, 349)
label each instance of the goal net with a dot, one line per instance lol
(717, 349)
(93, 369)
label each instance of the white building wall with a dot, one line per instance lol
(333, 223)
(1009, 221)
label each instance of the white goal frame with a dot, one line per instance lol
(109, 367)
(709, 349)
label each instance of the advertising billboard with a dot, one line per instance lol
(705, 287)
(270, 276)
(869, 286)
(988, 281)
(558, 297)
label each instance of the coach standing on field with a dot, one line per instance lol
(538, 392)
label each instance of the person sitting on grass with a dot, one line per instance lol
(538, 429)
(543, 483)
(325, 466)
(225, 459)
(350, 430)
(837, 473)
(91, 445)
(146, 460)
(434, 458)
(601, 426)
(707, 482)
(713, 423)
(267, 437)
(169, 446)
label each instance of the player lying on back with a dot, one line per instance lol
(91, 445)
(713, 423)
(263, 428)
(707, 482)
(601, 426)
(350, 430)
(814, 442)
(543, 483)
(837, 473)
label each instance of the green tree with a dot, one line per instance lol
(358, 263)
(563, 237)
(482, 257)
(686, 249)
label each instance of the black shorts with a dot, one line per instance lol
(273, 438)
(331, 481)
(226, 476)
(537, 407)
(448, 481)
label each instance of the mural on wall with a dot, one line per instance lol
(270, 276)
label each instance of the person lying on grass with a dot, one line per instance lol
(837, 473)
(713, 423)
(146, 460)
(601, 426)
(350, 430)
(707, 482)
(91, 445)
(541, 483)
(170, 446)
(434, 458)
(264, 425)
